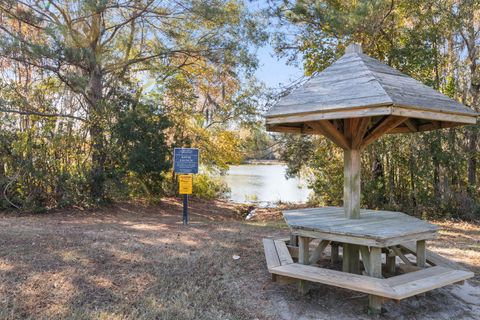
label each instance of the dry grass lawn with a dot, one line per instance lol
(133, 261)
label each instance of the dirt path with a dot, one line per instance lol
(138, 262)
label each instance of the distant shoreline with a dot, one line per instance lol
(264, 162)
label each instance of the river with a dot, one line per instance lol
(264, 185)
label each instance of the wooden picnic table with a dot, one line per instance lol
(375, 232)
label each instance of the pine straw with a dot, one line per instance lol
(133, 261)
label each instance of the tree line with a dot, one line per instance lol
(95, 93)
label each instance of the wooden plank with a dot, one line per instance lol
(398, 287)
(336, 278)
(366, 240)
(318, 252)
(417, 282)
(408, 111)
(326, 128)
(365, 258)
(271, 253)
(338, 113)
(382, 128)
(291, 129)
(434, 258)
(283, 253)
(421, 254)
(400, 254)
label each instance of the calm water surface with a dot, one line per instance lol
(264, 184)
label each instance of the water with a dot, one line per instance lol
(264, 185)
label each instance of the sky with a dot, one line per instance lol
(272, 70)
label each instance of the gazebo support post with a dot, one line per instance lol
(351, 187)
(351, 203)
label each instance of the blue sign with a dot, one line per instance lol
(185, 160)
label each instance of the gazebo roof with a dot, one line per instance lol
(357, 86)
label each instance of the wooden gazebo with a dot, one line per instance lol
(354, 102)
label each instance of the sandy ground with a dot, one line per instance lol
(133, 261)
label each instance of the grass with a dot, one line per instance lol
(133, 261)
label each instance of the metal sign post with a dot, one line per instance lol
(185, 209)
(185, 162)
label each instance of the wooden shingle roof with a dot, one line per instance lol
(356, 86)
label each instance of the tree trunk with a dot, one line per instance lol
(472, 159)
(96, 130)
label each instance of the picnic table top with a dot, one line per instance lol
(374, 228)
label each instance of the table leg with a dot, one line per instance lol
(391, 262)
(375, 266)
(351, 259)
(421, 254)
(294, 240)
(334, 252)
(303, 258)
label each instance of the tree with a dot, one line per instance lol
(95, 47)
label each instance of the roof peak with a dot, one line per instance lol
(354, 48)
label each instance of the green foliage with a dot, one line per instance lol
(142, 150)
(208, 186)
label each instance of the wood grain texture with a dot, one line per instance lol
(375, 228)
(421, 254)
(282, 252)
(271, 253)
(358, 83)
(351, 183)
(382, 128)
(398, 287)
(326, 128)
(303, 258)
(318, 251)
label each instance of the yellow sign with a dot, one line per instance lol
(185, 182)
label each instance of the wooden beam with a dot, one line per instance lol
(375, 264)
(334, 252)
(421, 254)
(360, 131)
(426, 127)
(382, 128)
(365, 258)
(351, 183)
(326, 128)
(411, 125)
(351, 258)
(290, 129)
(400, 254)
(318, 252)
